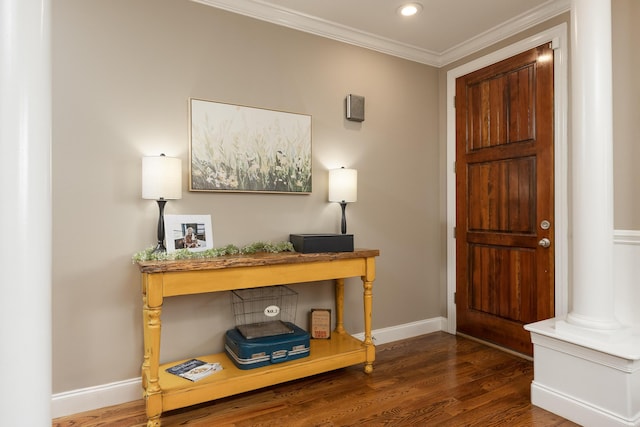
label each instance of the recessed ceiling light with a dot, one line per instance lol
(410, 9)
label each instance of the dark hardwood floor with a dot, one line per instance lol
(432, 380)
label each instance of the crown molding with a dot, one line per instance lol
(505, 30)
(310, 24)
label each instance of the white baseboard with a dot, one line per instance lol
(408, 330)
(90, 398)
(575, 410)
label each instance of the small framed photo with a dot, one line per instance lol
(191, 232)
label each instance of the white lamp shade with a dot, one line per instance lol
(161, 178)
(343, 185)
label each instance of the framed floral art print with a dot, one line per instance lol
(245, 149)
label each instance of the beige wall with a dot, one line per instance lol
(123, 72)
(626, 113)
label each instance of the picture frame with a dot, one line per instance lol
(191, 232)
(235, 148)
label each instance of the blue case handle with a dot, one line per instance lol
(279, 356)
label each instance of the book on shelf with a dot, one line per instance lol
(194, 369)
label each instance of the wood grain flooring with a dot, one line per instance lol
(432, 380)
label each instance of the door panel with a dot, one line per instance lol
(505, 187)
(500, 281)
(504, 179)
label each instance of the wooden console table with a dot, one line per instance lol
(161, 279)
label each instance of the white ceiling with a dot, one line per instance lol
(445, 30)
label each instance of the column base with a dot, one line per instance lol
(589, 377)
(580, 334)
(586, 322)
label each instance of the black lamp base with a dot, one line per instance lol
(161, 247)
(343, 224)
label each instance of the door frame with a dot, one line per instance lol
(558, 37)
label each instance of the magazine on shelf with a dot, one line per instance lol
(194, 369)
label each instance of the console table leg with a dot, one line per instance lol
(155, 422)
(340, 306)
(150, 366)
(368, 339)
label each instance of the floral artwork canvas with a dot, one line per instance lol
(245, 149)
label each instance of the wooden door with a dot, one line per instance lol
(504, 198)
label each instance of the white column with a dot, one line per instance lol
(25, 215)
(592, 163)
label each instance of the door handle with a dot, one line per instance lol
(544, 242)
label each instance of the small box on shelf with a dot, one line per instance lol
(316, 243)
(320, 323)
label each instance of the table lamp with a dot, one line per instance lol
(343, 189)
(161, 181)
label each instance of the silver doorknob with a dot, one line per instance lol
(544, 242)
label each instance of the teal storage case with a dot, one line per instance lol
(257, 352)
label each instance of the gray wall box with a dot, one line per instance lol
(355, 108)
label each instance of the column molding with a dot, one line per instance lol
(25, 189)
(592, 165)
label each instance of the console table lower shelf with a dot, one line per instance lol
(340, 351)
